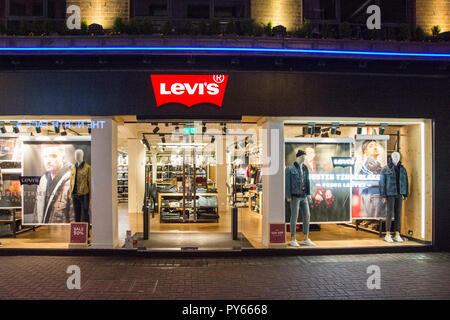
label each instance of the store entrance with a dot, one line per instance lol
(183, 180)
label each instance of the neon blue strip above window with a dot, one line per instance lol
(220, 49)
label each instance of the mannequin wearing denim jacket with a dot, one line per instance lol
(298, 194)
(393, 189)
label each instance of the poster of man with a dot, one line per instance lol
(330, 198)
(371, 157)
(48, 202)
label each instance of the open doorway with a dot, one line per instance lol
(186, 177)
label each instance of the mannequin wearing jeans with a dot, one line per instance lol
(394, 189)
(298, 195)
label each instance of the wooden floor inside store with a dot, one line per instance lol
(250, 226)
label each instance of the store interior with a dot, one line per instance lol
(187, 176)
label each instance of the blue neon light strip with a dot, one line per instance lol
(219, 49)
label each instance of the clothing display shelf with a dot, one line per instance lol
(122, 183)
(10, 210)
(170, 208)
(255, 200)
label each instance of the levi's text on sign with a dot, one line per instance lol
(189, 89)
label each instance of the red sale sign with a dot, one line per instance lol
(78, 232)
(189, 89)
(277, 233)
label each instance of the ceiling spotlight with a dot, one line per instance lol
(224, 129)
(156, 129)
(204, 128)
(334, 127)
(2, 127)
(177, 129)
(15, 127)
(56, 128)
(325, 135)
(360, 126)
(213, 139)
(38, 129)
(383, 127)
(64, 133)
(163, 139)
(310, 127)
(89, 130)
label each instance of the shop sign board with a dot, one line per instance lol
(78, 232)
(189, 89)
(277, 233)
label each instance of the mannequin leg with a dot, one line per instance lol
(77, 208)
(295, 203)
(389, 215)
(306, 217)
(397, 217)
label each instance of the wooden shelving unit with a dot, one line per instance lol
(255, 204)
(122, 179)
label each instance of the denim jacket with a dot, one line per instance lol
(388, 182)
(294, 183)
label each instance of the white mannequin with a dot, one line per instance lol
(395, 156)
(79, 155)
(300, 160)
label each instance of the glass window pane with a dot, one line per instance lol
(152, 8)
(57, 9)
(198, 11)
(26, 8)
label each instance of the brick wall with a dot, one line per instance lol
(285, 12)
(102, 11)
(433, 12)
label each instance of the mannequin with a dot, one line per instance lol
(394, 189)
(298, 194)
(80, 187)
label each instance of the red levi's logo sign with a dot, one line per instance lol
(189, 89)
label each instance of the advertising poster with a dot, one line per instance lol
(10, 148)
(47, 163)
(10, 171)
(330, 186)
(371, 157)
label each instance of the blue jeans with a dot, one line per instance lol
(296, 204)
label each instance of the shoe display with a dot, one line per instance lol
(294, 243)
(397, 238)
(388, 238)
(308, 242)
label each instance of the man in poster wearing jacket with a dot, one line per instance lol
(52, 204)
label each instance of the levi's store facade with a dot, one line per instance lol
(234, 161)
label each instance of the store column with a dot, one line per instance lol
(136, 175)
(273, 178)
(104, 184)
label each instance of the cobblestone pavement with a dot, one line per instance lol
(403, 276)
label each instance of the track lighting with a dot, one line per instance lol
(15, 127)
(224, 129)
(310, 127)
(360, 126)
(334, 127)
(38, 129)
(163, 139)
(56, 128)
(383, 127)
(204, 128)
(156, 130)
(213, 139)
(63, 132)
(2, 127)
